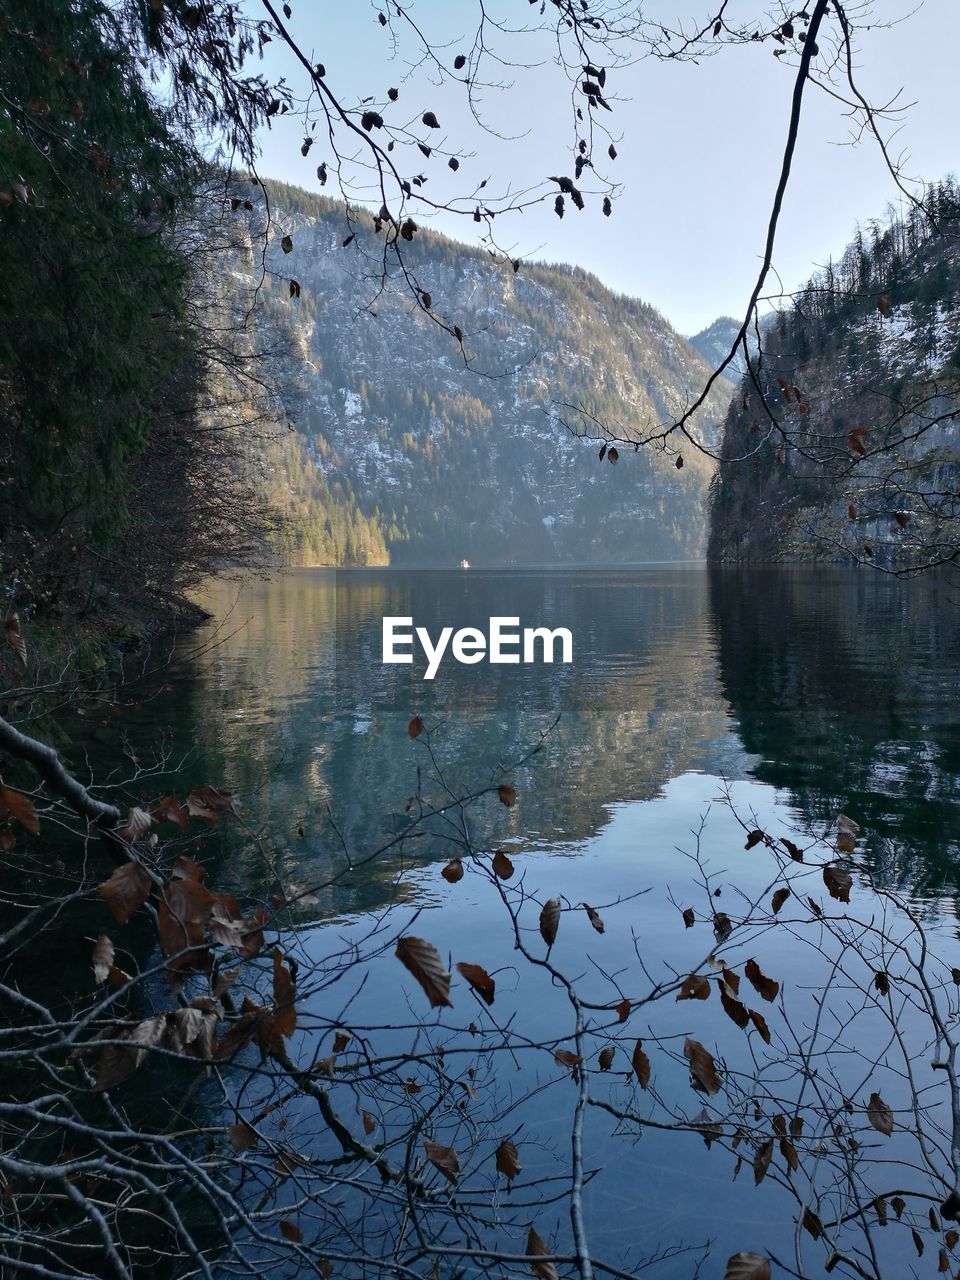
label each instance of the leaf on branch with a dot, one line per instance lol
(16, 804)
(747, 1266)
(550, 920)
(778, 899)
(789, 1153)
(607, 1054)
(479, 979)
(760, 1022)
(503, 868)
(137, 824)
(430, 120)
(126, 890)
(689, 919)
(369, 1124)
(536, 1248)
(286, 244)
(423, 961)
(15, 637)
(290, 1231)
(795, 852)
(761, 1161)
(169, 809)
(593, 917)
(415, 727)
(703, 1069)
(613, 455)
(453, 871)
(443, 1158)
(735, 1010)
(242, 1137)
(641, 1065)
(765, 987)
(694, 987)
(838, 882)
(102, 958)
(209, 802)
(880, 1115)
(754, 838)
(507, 794)
(622, 1010)
(566, 1058)
(284, 995)
(508, 1160)
(811, 1222)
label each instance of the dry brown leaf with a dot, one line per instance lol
(502, 866)
(765, 987)
(761, 1161)
(735, 1010)
(507, 794)
(423, 961)
(778, 899)
(702, 1067)
(15, 637)
(284, 994)
(242, 1137)
(550, 920)
(747, 1266)
(126, 890)
(479, 979)
(21, 807)
(102, 958)
(811, 1222)
(689, 919)
(290, 1231)
(880, 1115)
(760, 1022)
(415, 727)
(694, 987)
(536, 1248)
(369, 1124)
(607, 1054)
(838, 882)
(566, 1058)
(453, 871)
(443, 1158)
(593, 917)
(641, 1065)
(508, 1160)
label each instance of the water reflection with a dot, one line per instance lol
(840, 688)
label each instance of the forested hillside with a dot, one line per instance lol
(412, 450)
(130, 416)
(847, 444)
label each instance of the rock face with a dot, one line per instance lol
(850, 448)
(411, 449)
(714, 342)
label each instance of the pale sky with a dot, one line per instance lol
(699, 145)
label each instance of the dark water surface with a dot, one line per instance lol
(803, 693)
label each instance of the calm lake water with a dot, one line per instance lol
(804, 694)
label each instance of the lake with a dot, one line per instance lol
(699, 706)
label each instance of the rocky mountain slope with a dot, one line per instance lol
(405, 452)
(850, 449)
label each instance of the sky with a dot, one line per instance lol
(699, 144)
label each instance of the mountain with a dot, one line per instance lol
(714, 343)
(849, 447)
(409, 449)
